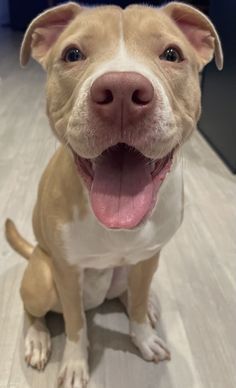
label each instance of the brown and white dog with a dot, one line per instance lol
(122, 96)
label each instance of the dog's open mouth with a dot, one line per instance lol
(123, 184)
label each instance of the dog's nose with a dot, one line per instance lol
(121, 96)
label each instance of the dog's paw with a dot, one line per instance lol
(73, 374)
(37, 345)
(74, 368)
(147, 341)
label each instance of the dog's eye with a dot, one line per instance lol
(171, 55)
(73, 55)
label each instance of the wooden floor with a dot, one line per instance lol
(195, 285)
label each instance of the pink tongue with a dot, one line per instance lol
(122, 189)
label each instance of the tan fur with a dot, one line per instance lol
(38, 288)
(70, 293)
(51, 281)
(17, 242)
(59, 189)
(139, 281)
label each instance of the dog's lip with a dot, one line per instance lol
(85, 166)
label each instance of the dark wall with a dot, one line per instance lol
(4, 12)
(219, 88)
(23, 11)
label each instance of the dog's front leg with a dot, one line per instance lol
(74, 368)
(143, 335)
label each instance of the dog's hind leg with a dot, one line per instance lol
(39, 296)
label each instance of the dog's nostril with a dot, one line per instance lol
(107, 97)
(139, 98)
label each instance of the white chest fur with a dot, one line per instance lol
(90, 246)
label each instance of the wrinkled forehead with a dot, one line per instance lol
(103, 28)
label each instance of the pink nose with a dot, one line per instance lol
(121, 96)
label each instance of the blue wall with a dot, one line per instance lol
(4, 12)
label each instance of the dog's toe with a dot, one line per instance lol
(152, 347)
(73, 374)
(37, 345)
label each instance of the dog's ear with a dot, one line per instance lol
(44, 30)
(199, 30)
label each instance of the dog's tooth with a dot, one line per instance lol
(153, 166)
(93, 164)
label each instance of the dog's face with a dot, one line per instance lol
(123, 94)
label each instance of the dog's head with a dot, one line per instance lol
(123, 94)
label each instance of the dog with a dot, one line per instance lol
(123, 95)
